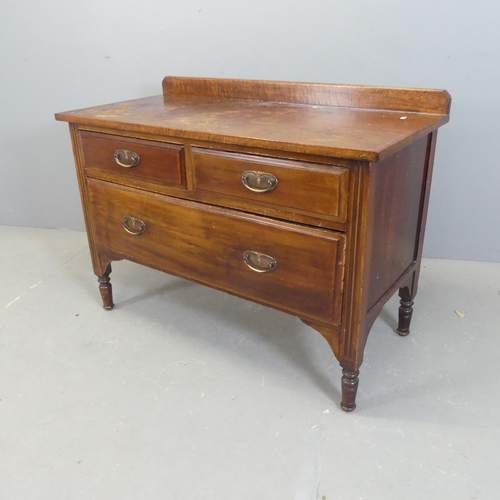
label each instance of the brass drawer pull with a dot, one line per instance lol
(133, 226)
(126, 158)
(258, 182)
(259, 262)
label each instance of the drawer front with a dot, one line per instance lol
(133, 158)
(290, 267)
(294, 185)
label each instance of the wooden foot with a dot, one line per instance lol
(405, 312)
(106, 289)
(350, 382)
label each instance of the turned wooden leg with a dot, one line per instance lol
(405, 312)
(350, 382)
(105, 289)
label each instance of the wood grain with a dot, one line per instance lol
(397, 185)
(350, 96)
(206, 244)
(159, 162)
(308, 187)
(349, 132)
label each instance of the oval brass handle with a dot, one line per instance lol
(259, 262)
(133, 226)
(259, 182)
(126, 158)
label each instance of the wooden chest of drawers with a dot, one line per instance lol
(309, 198)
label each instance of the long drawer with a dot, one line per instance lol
(294, 268)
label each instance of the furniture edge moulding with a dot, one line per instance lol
(281, 154)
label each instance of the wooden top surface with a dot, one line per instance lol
(333, 120)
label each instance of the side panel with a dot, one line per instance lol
(397, 195)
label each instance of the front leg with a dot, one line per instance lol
(405, 311)
(106, 289)
(350, 382)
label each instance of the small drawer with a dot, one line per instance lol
(310, 188)
(294, 268)
(137, 159)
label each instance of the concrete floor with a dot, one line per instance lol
(182, 392)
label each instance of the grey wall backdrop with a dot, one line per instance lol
(64, 54)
